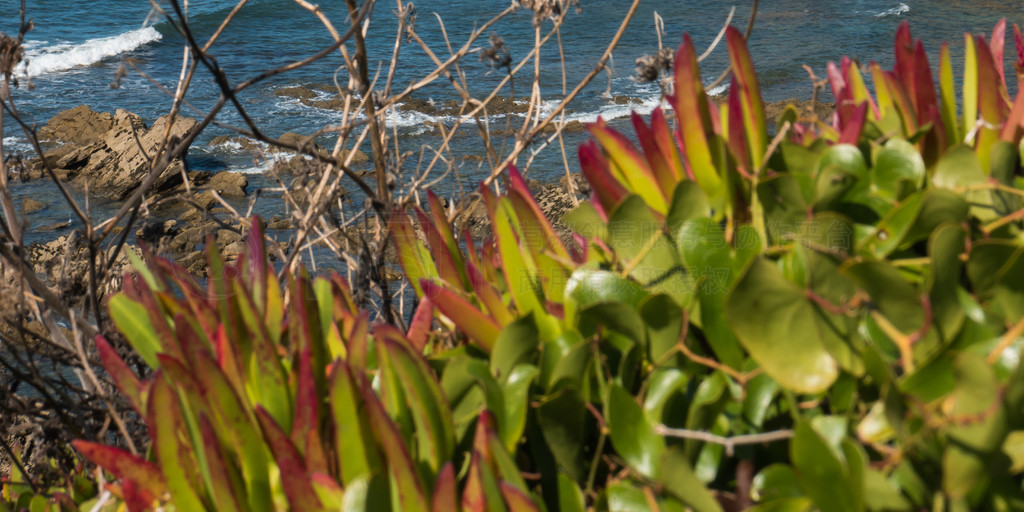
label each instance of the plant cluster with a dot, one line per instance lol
(829, 319)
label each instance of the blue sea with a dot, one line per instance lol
(76, 47)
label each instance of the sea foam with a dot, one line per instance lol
(899, 10)
(62, 57)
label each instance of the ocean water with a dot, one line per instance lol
(76, 48)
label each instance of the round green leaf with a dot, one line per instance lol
(779, 326)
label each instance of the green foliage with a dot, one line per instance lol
(831, 320)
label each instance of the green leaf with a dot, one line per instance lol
(408, 493)
(587, 287)
(775, 482)
(516, 391)
(679, 480)
(632, 435)
(570, 499)
(764, 309)
(688, 202)
(760, 392)
(822, 475)
(586, 222)
(898, 170)
(966, 462)
(641, 246)
(167, 426)
(132, 320)
(517, 344)
(430, 412)
(662, 385)
(959, 169)
(562, 421)
(356, 451)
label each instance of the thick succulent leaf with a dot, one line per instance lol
(222, 479)
(947, 93)
(764, 309)
(695, 123)
(414, 256)
(969, 102)
(631, 166)
(478, 326)
(356, 451)
(427, 403)
(750, 95)
(445, 498)
(132, 319)
(123, 377)
(409, 494)
(167, 426)
(146, 476)
(991, 105)
(294, 478)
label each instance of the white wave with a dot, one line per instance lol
(899, 10)
(62, 57)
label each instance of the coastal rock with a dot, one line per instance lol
(79, 126)
(115, 166)
(29, 205)
(298, 92)
(619, 99)
(229, 184)
(244, 143)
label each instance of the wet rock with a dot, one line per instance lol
(298, 92)
(229, 184)
(29, 205)
(418, 105)
(244, 143)
(336, 103)
(154, 231)
(56, 226)
(277, 223)
(626, 100)
(114, 167)
(569, 127)
(79, 126)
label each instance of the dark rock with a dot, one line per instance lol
(626, 100)
(298, 92)
(29, 205)
(337, 103)
(229, 184)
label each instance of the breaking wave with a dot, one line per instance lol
(62, 57)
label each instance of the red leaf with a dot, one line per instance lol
(419, 327)
(607, 189)
(294, 476)
(998, 44)
(130, 469)
(445, 495)
(517, 500)
(478, 326)
(851, 132)
(123, 377)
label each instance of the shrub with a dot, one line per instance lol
(828, 320)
